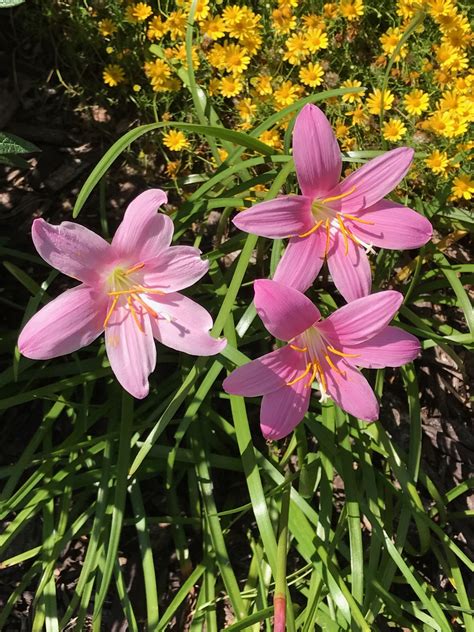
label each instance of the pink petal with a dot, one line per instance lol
(131, 352)
(285, 312)
(350, 272)
(391, 347)
(283, 409)
(175, 268)
(72, 249)
(362, 319)
(183, 325)
(302, 261)
(316, 153)
(394, 226)
(372, 181)
(266, 374)
(72, 321)
(350, 390)
(284, 216)
(143, 233)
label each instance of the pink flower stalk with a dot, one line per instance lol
(129, 288)
(333, 220)
(327, 351)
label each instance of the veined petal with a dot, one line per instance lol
(316, 152)
(183, 325)
(143, 233)
(391, 347)
(371, 182)
(285, 312)
(349, 267)
(350, 390)
(283, 409)
(266, 374)
(362, 319)
(69, 322)
(175, 268)
(393, 226)
(301, 261)
(72, 249)
(131, 350)
(284, 216)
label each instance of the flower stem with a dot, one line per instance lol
(279, 598)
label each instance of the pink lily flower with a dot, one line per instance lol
(333, 220)
(129, 288)
(327, 351)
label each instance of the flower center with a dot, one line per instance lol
(325, 216)
(125, 287)
(319, 356)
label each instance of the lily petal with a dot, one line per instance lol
(316, 152)
(131, 351)
(371, 182)
(350, 271)
(301, 261)
(284, 216)
(69, 322)
(362, 319)
(175, 268)
(72, 249)
(391, 347)
(394, 226)
(183, 325)
(266, 374)
(285, 312)
(143, 233)
(283, 409)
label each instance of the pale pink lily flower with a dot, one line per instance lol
(326, 351)
(129, 288)
(333, 220)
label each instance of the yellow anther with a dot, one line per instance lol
(302, 349)
(109, 313)
(300, 377)
(343, 355)
(333, 366)
(151, 311)
(326, 249)
(322, 378)
(339, 197)
(313, 375)
(313, 230)
(344, 235)
(134, 268)
(134, 314)
(357, 219)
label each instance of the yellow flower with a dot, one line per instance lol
(251, 42)
(230, 86)
(374, 101)
(136, 87)
(223, 154)
(157, 72)
(390, 40)
(156, 28)
(213, 27)
(283, 20)
(463, 187)
(341, 130)
(172, 168)
(232, 14)
(351, 9)
(175, 140)
(440, 123)
(113, 74)
(297, 49)
(141, 11)
(437, 161)
(352, 97)
(107, 27)
(416, 102)
(359, 117)
(246, 109)
(272, 138)
(316, 39)
(313, 21)
(262, 84)
(235, 60)
(247, 24)
(176, 24)
(286, 94)
(393, 130)
(330, 10)
(312, 74)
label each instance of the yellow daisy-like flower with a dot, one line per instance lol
(297, 49)
(213, 27)
(176, 24)
(437, 161)
(330, 10)
(262, 84)
(156, 28)
(352, 97)
(440, 123)
(316, 39)
(393, 130)
(172, 168)
(252, 42)
(232, 14)
(351, 9)
(107, 27)
(272, 138)
(313, 21)
(390, 40)
(235, 60)
(341, 130)
(416, 102)
(247, 24)
(312, 75)
(113, 74)
(359, 117)
(283, 20)
(230, 86)
(286, 94)
(175, 140)
(374, 101)
(141, 11)
(157, 72)
(463, 187)
(246, 109)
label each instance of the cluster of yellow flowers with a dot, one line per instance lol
(255, 64)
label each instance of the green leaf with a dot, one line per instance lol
(12, 144)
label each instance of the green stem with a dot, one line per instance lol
(279, 598)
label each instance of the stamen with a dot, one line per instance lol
(151, 311)
(302, 349)
(344, 235)
(322, 380)
(147, 290)
(339, 197)
(343, 355)
(313, 375)
(326, 249)
(134, 268)
(134, 314)
(333, 366)
(118, 293)
(313, 230)
(109, 313)
(357, 219)
(303, 375)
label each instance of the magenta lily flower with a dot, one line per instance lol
(333, 220)
(129, 288)
(326, 351)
